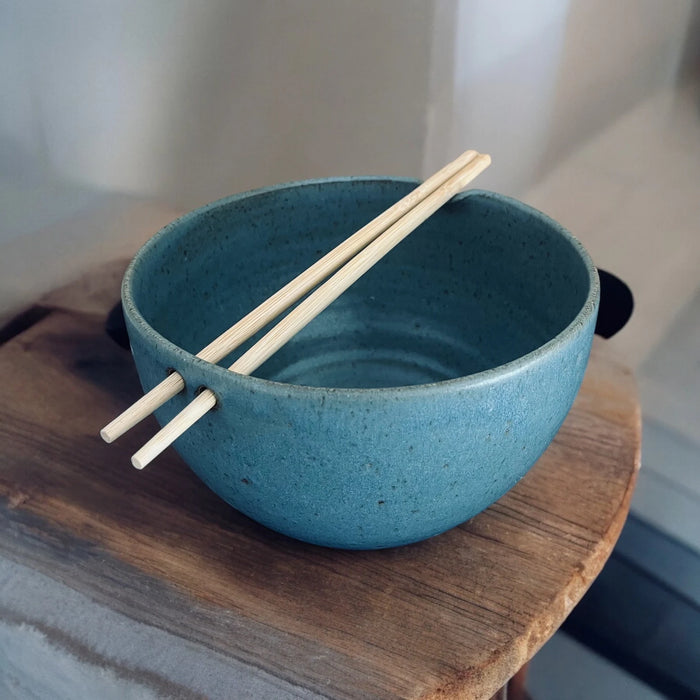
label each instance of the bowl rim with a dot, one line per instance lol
(499, 372)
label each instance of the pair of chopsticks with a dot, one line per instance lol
(355, 256)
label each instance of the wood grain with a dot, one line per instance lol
(452, 617)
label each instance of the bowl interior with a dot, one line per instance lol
(484, 281)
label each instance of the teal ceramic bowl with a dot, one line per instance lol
(418, 398)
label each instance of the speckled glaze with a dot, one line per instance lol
(413, 402)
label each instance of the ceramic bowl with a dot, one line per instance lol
(418, 398)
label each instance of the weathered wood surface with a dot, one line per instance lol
(454, 616)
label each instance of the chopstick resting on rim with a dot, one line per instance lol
(317, 301)
(281, 300)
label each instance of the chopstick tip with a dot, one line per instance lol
(137, 463)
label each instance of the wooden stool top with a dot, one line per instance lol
(454, 616)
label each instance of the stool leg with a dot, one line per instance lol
(516, 686)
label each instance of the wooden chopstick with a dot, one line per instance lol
(313, 305)
(259, 317)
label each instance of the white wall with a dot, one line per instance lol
(189, 101)
(528, 81)
(493, 84)
(614, 55)
(184, 101)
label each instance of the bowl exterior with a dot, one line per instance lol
(369, 469)
(366, 468)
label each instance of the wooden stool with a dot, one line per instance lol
(453, 617)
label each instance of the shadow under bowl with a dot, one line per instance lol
(417, 399)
